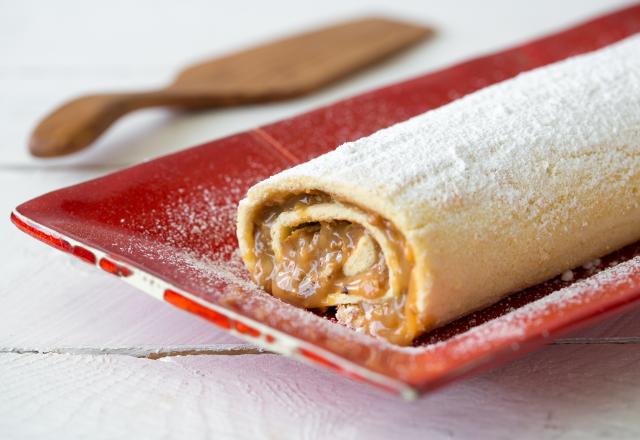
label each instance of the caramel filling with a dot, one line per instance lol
(308, 258)
(325, 258)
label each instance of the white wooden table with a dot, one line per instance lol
(83, 355)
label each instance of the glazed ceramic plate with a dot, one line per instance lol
(168, 227)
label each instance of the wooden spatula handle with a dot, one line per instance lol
(278, 70)
(79, 122)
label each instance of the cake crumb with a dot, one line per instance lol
(592, 264)
(567, 275)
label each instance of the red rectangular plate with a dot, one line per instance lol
(168, 227)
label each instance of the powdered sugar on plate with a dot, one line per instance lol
(222, 278)
(516, 323)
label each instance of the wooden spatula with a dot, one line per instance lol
(279, 70)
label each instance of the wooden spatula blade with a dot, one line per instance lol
(278, 70)
(305, 62)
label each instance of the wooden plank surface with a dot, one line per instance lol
(82, 355)
(588, 392)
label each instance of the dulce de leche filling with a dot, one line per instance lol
(318, 263)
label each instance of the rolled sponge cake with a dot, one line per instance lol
(465, 204)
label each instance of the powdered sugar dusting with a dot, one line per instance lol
(451, 141)
(202, 213)
(572, 118)
(206, 219)
(227, 277)
(504, 188)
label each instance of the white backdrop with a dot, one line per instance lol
(56, 313)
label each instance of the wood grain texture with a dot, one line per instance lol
(101, 384)
(146, 352)
(268, 396)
